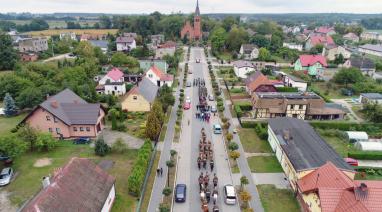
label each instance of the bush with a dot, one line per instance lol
(363, 155)
(261, 131)
(138, 172)
(371, 129)
(233, 146)
(119, 146)
(101, 148)
(238, 111)
(286, 89)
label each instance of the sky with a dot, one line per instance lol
(188, 6)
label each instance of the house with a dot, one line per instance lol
(371, 98)
(114, 88)
(80, 185)
(325, 30)
(114, 75)
(331, 52)
(38, 44)
(249, 51)
(164, 50)
(351, 37)
(156, 40)
(158, 78)
(66, 115)
(318, 39)
(87, 37)
(102, 44)
(258, 82)
(130, 35)
(371, 36)
(68, 36)
(331, 188)
(140, 97)
(193, 32)
(242, 68)
(300, 150)
(301, 37)
(371, 49)
(296, 46)
(294, 82)
(146, 64)
(28, 57)
(305, 106)
(366, 65)
(313, 64)
(250, 32)
(125, 44)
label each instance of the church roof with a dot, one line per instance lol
(197, 11)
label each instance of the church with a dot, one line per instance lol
(193, 33)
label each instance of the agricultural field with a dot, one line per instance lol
(51, 32)
(54, 24)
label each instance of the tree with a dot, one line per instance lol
(233, 146)
(339, 59)
(45, 142)
(373, 112)
(243, 181)
(167, 191)
(8, 55)
(105, 22)
(229, 136)
(229, 22)
(121, 59)
(157, 109)
(101, 148)
(170, 163)
(84, 50)
(12, 146)
(317, 49)
(29, 98)
(173, 153)
(236, 37)
(218, 39)
(153, 126)
(10, 108)
(261, 41)
(264, 54)
(29, 135)
(234, 155)
(348, 76)
(245, 196)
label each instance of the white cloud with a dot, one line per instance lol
(187, 6)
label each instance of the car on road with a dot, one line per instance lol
(82, 140)
(229, 194)
(188, 99)
(188, 84)
(211, 97)
(187, 106)
(213, 109)
(189, 71)
(351, 161)
(217, 129)
(6, 176)
(197, 60)
(180, 193)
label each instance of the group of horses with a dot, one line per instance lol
(207, 191)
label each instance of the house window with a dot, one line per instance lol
(55, 119)
(300, 107)
(88, 129)
(58, 130)
(115, 88)
(75, 129)
(81, 129)
(48, 118)
(150, 75)
(50, 129)
(135, 97)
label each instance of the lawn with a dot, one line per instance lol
(2, 73)
(338, 144)
(135, 124)
(252, 143)
(51, 32)
(6, 124)
(264, 164)
(357, 111)
(28, 178)
(150, 183)
(225, 56)
(358, 176)
(277, 200)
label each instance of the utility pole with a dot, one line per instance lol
(52, 47)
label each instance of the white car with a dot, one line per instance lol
(6, 176)
(188, 100)
(197, 60)
(229, 194)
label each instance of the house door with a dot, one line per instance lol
(98, 127)
(158, 83)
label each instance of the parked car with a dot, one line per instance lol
(217, 129)
(6, 176)
(188, 84)
(189, 71)
(229, 194)
(197, 60)
(213, 109)
(180, 193)
(82, 140)
(351, 161)
(188, 99)
(211, 97)
(4, 157)
(187, 106)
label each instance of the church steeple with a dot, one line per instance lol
(197, 11)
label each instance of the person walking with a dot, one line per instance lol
(158, 171)
(161, 171)
(212, 165)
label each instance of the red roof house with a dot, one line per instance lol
(158, 77)
(258, 82)
(319, 39)
(314, 65)
(336, 191)
(326, 30)
(309, 60)
(114, 75)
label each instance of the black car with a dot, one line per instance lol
(180, 193)
(82, 140)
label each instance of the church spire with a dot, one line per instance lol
(197, 11)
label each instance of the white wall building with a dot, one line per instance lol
(295, 82)
(115, 88)
(242, 68)
(158, 78)
(296, 46)
(125, 44)
(371, 49)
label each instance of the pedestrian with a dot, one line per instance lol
(161, 171)
(158, 171)
(212, 165)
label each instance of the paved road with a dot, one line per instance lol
(188, 147)
(255, 202)
(160, 182)
(59, 57)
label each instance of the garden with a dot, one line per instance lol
(277, 200)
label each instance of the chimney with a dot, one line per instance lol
(45, 182)
(54, 104)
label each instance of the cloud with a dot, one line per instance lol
(187, 6)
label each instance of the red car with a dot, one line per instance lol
(351, 161)
(187, 106)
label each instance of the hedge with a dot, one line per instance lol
(366, 155)
(370, 128)
(137, 176)
(287, 89)
(238, 111)
(244, 106)
(261, 131)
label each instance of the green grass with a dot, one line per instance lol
(358, 176)
(338, 144)
(28, 178)
(135, 123)
(357, 111)
(2, 73)
(7, 124)
(277, 200)
(252, 143)
(264, 164)
(225, 56)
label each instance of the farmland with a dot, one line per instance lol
(54, 24)
(51, 32)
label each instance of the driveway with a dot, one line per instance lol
(111, 136)
(345, 103)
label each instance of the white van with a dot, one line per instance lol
(217, 129)
(229, 194)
